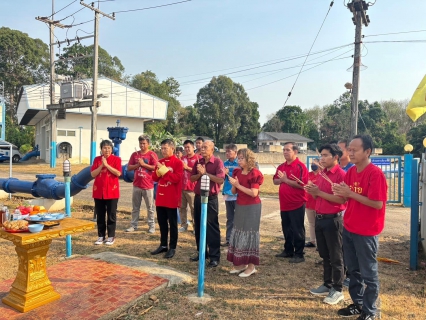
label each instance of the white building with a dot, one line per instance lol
(274, 141)
(131, 106)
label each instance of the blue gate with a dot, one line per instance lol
(392, 169)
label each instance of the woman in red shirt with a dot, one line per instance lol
(244, 241)
(106, 190)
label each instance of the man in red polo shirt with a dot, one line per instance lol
(292, 202)
(168, 174)
(328, 223)
(366, 190)
(190, 160)
(213, 167)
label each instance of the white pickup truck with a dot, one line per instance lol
(5, 152)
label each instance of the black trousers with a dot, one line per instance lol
(213, 231)
(108, 208)
(165, 217)
(328, 233)
(293, 224)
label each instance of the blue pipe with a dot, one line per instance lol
(414, 227)
(45, 186)
(202, 246)
(30, 155)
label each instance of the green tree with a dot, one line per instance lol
(23, 61)
(395, 112)
(415, 137)
(189, 121)
(221, 106)
(19, 135)
(109, 66)
(168, 90)
(250, 126)
(335, 124)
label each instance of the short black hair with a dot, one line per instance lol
(367, 141)
(295, 147)
(232, 147)
(179, 149)
(188, 141)
(333, 148)
(106, 143)
(143, 138)
(170, 142)
(200, 139)
(345, 141)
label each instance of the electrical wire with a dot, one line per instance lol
(385, 34)
(325, 18)
(62, 8)
(334, 59)
(71, 14)
(272, 72)
(267, 61)
(79, 24)
(267, 64)
(76, 33)
(53, 33)
(154, 7)
(68, 29)
(389, 41)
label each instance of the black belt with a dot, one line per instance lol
(328, 216)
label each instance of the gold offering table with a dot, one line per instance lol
(32, 287)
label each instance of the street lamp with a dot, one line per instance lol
(408, 147)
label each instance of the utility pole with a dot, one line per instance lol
(94, 107)
(358, 9)
(53, 113)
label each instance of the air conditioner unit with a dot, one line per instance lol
(71, 91)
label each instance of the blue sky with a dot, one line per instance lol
(194, 40)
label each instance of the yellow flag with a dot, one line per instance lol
(417, 106)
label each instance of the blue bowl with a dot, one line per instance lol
(35, 218)
(48, 217)
(34, 228)
(58, 216)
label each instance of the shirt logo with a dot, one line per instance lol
(356, 188)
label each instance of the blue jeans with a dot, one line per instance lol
(361, 260)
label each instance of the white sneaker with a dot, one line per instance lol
(182, 229)
(151, 230)
(110, 241)
(131, 229)
(99, 241)
(334, 297)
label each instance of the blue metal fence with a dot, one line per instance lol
(391, 167)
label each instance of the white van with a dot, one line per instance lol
(5, 152)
